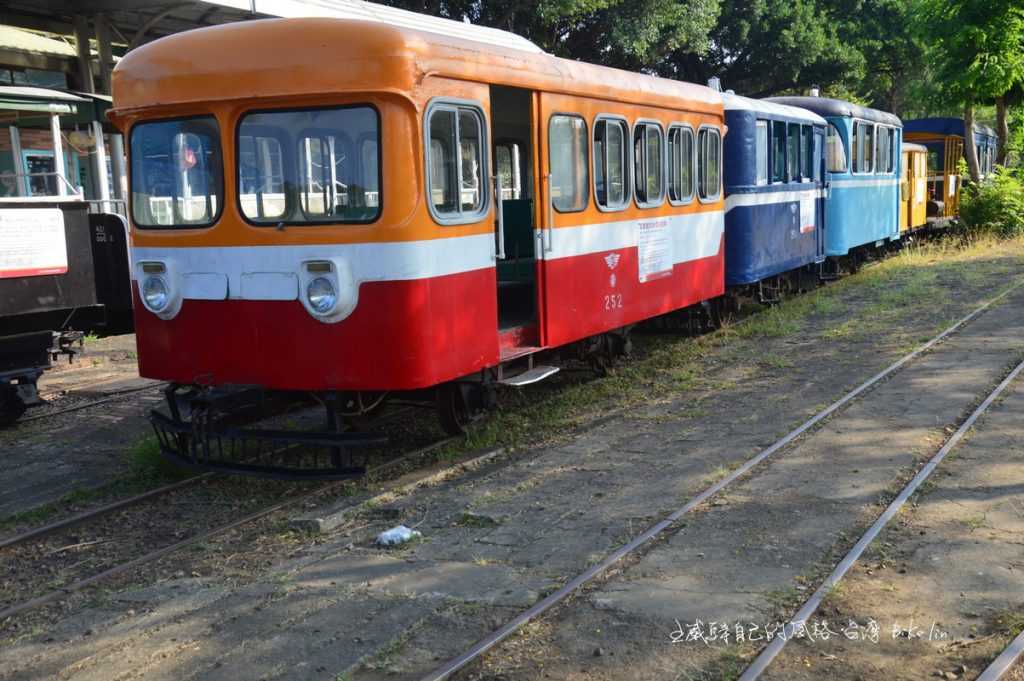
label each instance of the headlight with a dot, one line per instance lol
(154, 293)
(321, 295)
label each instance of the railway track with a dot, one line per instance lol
(807, 610)
(121, 567)
(476, 651)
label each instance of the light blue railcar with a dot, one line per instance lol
(862, 157)
(774, 203)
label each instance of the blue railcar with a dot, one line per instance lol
(862, 156)
(774, 203)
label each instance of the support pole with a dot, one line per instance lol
(100, 167)
(62, 179)
(21, 182)
(84, 54)
(103, 48)
(118, 167)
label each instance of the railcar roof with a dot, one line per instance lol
(910, 146)
(740, 103)
(312, 56)
(945, 126)
(826, 106)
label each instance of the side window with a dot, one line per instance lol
(858, 147)
(884, 151)
(793, 153)
(648, 161)
(456, 162)
(835, 151)
(935, 162)
(869, 148)
(611, 163)
(709, 163)
(506, 160)
(806, 152)
(778, 151)
(570, 168)
(891, 161)
(761, 151)
(680, 164)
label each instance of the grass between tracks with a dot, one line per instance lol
(895, 304)
(147, 469)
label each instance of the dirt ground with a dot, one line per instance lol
(50, 457)
(497, 538)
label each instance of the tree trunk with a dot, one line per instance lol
(1002, 130)
(970, 150)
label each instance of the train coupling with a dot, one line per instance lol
(212, 429)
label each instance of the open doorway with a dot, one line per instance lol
(512, 134)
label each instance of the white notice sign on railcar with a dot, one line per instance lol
(32, 242)
(654, 248)
(808, 211)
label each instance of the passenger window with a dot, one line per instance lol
(176, 173)
(778, 151)
(761, 151)
(680, 164)
(858, 148)
(835, 150)
(309, 166)
(891, 162)
(611, 161)
(709, 163)
(457, 188)
(793, 153)
(648, 159)
(806, 152)
(506, 158)
(570, 168)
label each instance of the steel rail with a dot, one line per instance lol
(769, 653)
(50, 528)
(86, 405)
(65, 591)
(1002, 664)
(57, 525)
(542, 606)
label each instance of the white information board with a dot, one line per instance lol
(808, 211)
(32, 242)
(654, 248)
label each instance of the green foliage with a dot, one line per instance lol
(994, 207)
(977, 46)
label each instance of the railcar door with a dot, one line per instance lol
(515, 198)
(820, 184)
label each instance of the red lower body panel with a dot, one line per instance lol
(401, 336)
(584, 296)
(405, 335)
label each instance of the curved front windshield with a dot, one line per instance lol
(177, 174)
(309, 166)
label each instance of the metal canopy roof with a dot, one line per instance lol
(39, 99)
(138, 21)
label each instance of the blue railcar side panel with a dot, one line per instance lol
(763, 241)
(861, 208)
(773, 228)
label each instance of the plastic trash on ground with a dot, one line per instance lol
(397, 535)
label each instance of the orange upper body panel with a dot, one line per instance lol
(303, 57)
(227, 70)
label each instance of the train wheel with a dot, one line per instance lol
(11, 406)
(458, 405)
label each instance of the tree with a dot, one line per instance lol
(978, 52)
(765, 47)
(627, 34)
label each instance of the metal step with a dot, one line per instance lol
(537, 373)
